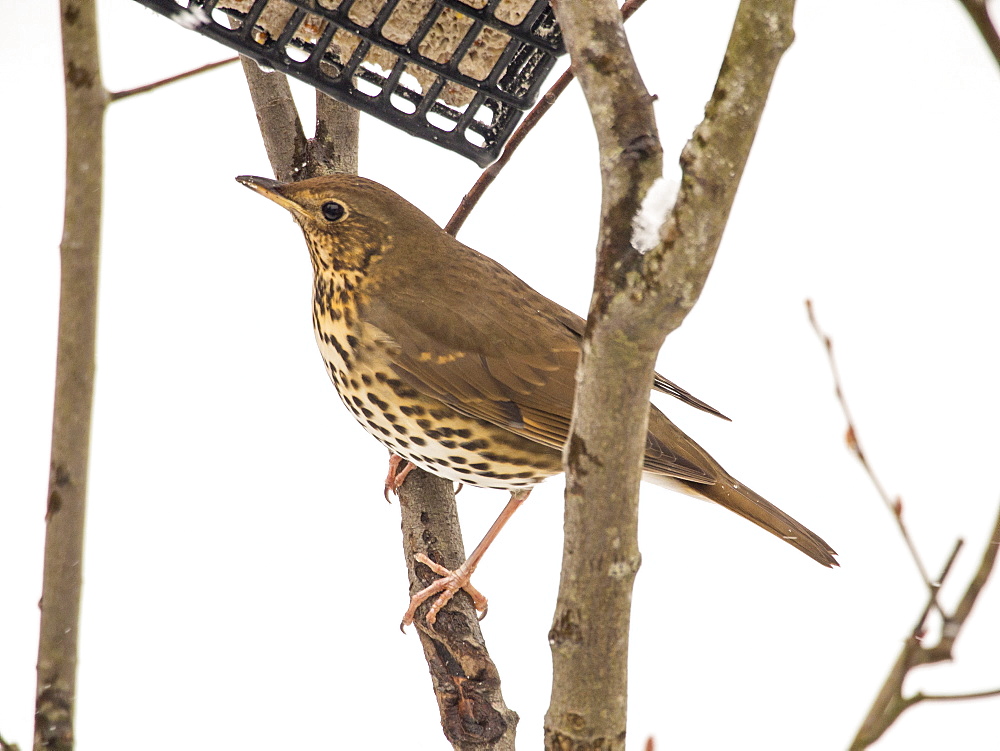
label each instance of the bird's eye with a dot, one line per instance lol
(333, 211)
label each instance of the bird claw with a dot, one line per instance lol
(395, 478)
(445, 588)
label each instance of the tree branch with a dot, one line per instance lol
(979, 11)
(920, 696)
(280, 127)
(114, 96)
(491, 173)
(86, 102)
(335, 145)
(953, 624)
(714, 159)
(637, 300)
(590, 630)
(894, 506)
(466, 681)
(890, 703)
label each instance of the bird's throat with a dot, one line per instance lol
(335, 318)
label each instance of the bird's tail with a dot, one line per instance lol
(675, 461)
(748, 504)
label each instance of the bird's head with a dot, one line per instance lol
(349, 222)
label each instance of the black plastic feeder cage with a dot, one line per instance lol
(460, 73)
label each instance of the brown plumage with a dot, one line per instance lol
(460, 367)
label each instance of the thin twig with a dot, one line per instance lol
(979, 11)
(958, 697)
(527, 125)
(963, 610)
(894, 506)
(114, 96)
(890, 703)
(932, 604)
(921, 626)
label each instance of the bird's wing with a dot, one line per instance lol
(504, 354)
(664, 385)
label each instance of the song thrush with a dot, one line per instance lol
(461, 368)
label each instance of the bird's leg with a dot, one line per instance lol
(452, 581)
(395, 477)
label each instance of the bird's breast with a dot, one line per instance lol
(420, 428)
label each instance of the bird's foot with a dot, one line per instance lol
(445, 588)
(396, 477)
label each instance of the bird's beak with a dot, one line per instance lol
(269, 189)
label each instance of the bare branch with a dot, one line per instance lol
(953, 625)
(491, 173)
(334, 149)
(894, 506)
(958, 697)
(335, 146)
(932, 603)
(115, 96)
(713, 162)
(466, 681)
(590, 630)
(488, 175)
(890, 703)
(278, 119)
(86, 102)
(979, 11)
(637, 300)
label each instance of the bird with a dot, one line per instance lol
(461, 368)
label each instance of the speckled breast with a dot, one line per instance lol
(422, 429)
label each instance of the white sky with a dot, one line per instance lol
(217, 613)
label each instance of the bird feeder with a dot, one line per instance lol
(460, 73)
